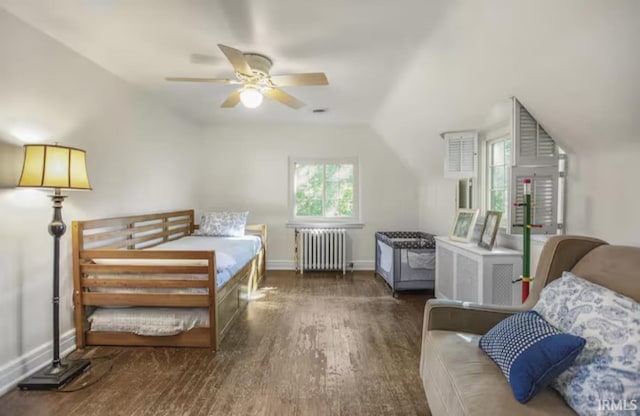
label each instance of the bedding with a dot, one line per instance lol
(232, 253)
(152, 321)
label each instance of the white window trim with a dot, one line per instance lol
(354, 220)
(486, 186)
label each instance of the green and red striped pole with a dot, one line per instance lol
(526, 243)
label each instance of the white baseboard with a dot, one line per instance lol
(368, 265)
(290, 265)
(281, 265)
(22, 367)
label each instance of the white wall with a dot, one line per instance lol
(139, 155)
(247, 168)
(602, 199)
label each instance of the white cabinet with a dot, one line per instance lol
(470, 273)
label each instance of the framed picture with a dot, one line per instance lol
(463, 225)
(490, 229)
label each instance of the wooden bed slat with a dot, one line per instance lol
(137, 269)
(197, 337)
(145, 299)
(144, 254)
(161, 235)
(124, 221)
(144, 283)
(91, 238)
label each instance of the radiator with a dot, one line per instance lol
(321, 249)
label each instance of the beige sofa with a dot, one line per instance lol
(459, 379)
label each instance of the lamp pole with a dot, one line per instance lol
(57, 229)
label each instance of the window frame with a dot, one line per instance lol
(355, 218)
(488, 185)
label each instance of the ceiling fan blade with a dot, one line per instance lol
(232, 100)
(316, 78)
(216, 80)
(237, 59)
(283, 97)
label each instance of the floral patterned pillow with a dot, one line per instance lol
(222, 224)
(608, 368)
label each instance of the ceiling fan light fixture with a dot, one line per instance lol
(251, 97)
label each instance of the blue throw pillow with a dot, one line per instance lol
(530, 352)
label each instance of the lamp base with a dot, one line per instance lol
(50, 378)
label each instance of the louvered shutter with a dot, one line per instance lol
(461, 154)
(535, 157)
(544, 197)
(532, 144)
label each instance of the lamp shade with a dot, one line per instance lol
(53, 166)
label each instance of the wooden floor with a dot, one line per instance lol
(312, 345)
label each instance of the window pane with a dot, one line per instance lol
(497, 153)
(308, 189)
(498, 177)
(339, 208)
(309, 208)
(339, 173)
(507, 151)
(339, 190)
(498, 201)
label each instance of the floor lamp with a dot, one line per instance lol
(55, 167)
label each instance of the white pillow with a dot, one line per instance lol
(223, 224)
(607, 371)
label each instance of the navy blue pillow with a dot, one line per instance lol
(530, 352)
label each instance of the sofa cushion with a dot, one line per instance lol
(530, 352)
(460, 379)
(608, 369)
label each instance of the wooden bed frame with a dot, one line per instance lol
(133, 238)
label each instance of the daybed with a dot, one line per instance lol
(460, 379)
(140, 268)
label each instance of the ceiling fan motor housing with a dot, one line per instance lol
(260, 64)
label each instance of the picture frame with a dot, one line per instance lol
(462, 228)
(490, 229)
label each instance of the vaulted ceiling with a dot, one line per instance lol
(362, 46)
(409, 68)
(574, 64)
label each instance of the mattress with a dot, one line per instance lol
(149, 321)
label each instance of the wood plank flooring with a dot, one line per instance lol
(312, 345)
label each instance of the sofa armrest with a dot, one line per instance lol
(464, 316)
(560, 254)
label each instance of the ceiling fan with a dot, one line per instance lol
(252, 72)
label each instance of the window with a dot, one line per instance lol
(324, 189)
(498, 165)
